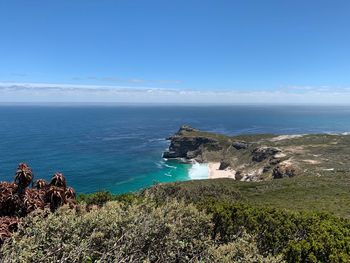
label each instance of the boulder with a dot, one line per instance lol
(240, 145)
(224, 165)
(239, 175)
(262, 153)
(284, 170)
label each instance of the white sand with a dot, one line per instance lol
(312, 161)
(285, 137)
(215, 173)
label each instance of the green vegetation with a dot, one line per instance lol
(294, 220)
(304, 193)
(300, 237)
(102, 197)
(143, 232)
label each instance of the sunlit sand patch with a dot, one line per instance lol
(295, 149)
(286, 137)
(328, 169)
(309, 161)
(215, 173)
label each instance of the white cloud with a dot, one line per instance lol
(130, 81)
(32, 92)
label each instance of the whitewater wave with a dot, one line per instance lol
(337, 133)
(199, 171)
(157, 140)
(170, 166)
(162, 164)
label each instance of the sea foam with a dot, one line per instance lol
(199, 171)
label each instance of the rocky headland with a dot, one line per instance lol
(263, 156)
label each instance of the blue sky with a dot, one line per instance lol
(239, 47)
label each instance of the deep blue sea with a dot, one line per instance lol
(119, 148)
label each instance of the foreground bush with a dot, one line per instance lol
(242, 249)
(153, 228)
(300, 237)
(139, 232)
(142, 232)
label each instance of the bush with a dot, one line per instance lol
(114, 233)
(102, 197)
(139, 232)
(142, 229)
(299, 236)
(243, 249)
(194, 192)
(98, 198)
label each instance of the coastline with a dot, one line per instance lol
(209, 170)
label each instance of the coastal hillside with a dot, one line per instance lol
(264, 156)
(326, 194)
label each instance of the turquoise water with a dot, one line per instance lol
(119, 148)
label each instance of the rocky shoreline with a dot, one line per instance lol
(260, 157)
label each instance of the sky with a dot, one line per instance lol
(222, 51)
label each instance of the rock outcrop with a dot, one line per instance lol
(189, 146)
(224, 165)
(285, 169)
(239, 145)
(262, 153)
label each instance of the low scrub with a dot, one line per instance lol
(174, 224)
(298, 236)
(140, 232)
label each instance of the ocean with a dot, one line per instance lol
(119, 148)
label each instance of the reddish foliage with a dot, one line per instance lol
(58, 180)
(7, 226)
(24, 176)
(17, 200)
(40, 184)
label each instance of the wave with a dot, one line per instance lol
(199, 171)
(337, 133)
(170, 166)
(157, 140)
(117, 138)
(162, 164)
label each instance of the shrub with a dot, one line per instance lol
(102, 197)
(300, 236)
(98, 198)
(172, 232)
(242, 249)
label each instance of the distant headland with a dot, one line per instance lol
(261, 157)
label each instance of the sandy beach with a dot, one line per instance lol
(215, 173)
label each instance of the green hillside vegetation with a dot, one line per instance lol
(302, 219)
(329, 194)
